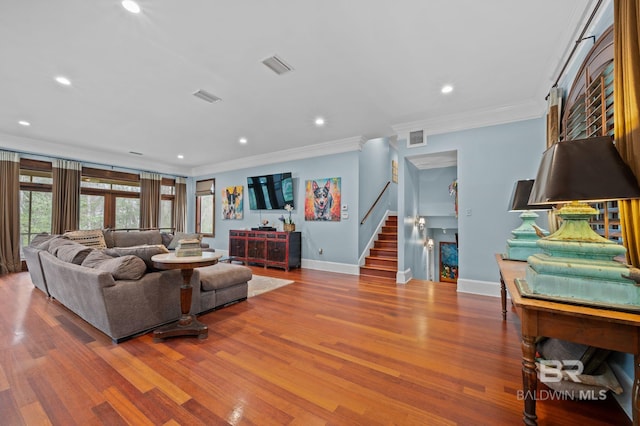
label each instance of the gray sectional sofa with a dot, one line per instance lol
(116, 290)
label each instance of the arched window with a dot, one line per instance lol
(589, 113)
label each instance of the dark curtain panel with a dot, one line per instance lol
(150, 186)
(180, 205)
(65, 214)
(626, 114)
(9, 212)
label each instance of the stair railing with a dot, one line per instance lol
(374, 203)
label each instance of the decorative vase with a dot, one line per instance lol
(289, 227)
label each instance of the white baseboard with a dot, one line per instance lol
(320, 265)
(624, 399)
(403, 277)
(343, 268)
(484, 288)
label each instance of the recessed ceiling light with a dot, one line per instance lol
(180, 156)
(319, 121)
(63, 80)
(243, 140)
(24, 123)
(131, 6)
(447, 88)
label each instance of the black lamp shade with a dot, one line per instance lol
(586, 170)
(520, 197)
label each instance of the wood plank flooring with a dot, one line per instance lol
(330, 349)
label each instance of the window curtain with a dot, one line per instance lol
(626, 60)
(180, 205)
(150, 186)
(65, 200)
(9, 212)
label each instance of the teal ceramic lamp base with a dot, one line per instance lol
(578, 263)
(525, 239)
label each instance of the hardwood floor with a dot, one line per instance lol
(330, 349)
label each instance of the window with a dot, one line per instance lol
(205, 207)
(589, 113)
(35, 199)
(91, 211)
(109, 199)
(167, 197)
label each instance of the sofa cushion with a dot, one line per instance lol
(143, 252)
(90, 238)
(183, 236)
(72, 253)
(136, 238)
(223, 275)
(127, 267)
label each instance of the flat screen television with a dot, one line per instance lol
(270, 192)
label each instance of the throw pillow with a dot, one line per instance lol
(183, 236)
(123, 268)
(143, 252)
(90, 238)
(53, 244)
(96, 257)
(108, 237)
(166, 238)
(41, 238)
(73, 253)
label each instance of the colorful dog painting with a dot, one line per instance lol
(322, 200)
(232, 203)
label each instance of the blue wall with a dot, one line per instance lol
(490, 160)
(374, 173)
(338, 240)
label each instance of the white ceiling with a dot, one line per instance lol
(367, 66)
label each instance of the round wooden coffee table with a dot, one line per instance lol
(187, 325)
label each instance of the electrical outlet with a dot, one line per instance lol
(468, 212)
(320, 251)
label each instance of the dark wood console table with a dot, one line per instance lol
(187, 325)
(603, 328)
(268, 248)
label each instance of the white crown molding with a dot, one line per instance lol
(474, 119)
(39, 147)
(326, 148)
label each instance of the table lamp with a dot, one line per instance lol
(577, 263)
(525, 237)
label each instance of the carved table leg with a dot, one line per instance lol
(635, 408)
(529, 379)
(187, 325)
(503, 298)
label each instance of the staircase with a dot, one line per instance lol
(383, 257)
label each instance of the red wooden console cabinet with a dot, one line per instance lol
(268, 248)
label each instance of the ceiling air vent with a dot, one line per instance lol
(206, 96)
(277, 65)
(416, 138)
